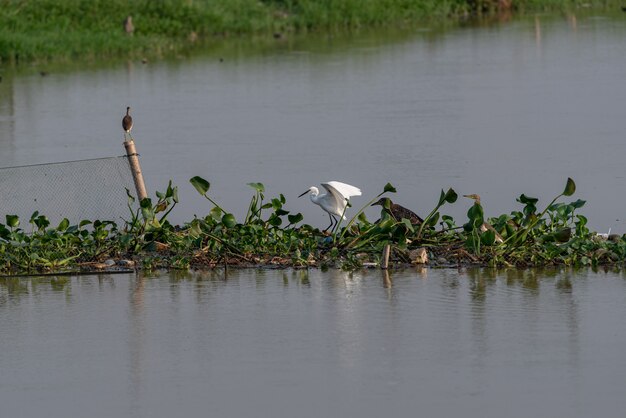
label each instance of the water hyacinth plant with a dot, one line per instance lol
(271, 236)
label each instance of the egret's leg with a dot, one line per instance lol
(331, 223)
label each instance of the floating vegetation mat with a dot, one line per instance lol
(272, 237)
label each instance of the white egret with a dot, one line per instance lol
(335, 200)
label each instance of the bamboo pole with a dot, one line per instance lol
(135, 168)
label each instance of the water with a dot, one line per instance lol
(498, 110)
(434, 343)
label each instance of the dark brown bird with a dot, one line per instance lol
(398, 212)
(127, 123)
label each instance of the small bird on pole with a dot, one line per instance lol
(127, 124)
(398, 212)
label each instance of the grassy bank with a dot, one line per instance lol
(64, 30)
(270, 236)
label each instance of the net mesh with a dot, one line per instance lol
(76, 190)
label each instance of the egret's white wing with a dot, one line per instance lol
(345, 190)
(334, 202)
(336, 198)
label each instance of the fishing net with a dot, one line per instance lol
(76, 190)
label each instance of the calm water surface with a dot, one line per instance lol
(435, 343)
(498, 110)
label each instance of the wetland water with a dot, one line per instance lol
(437, 343)
(498, 110)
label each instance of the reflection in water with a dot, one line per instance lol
(573, 22)
(387, 283)
(366, 341)
(136, 338)
(538, 34)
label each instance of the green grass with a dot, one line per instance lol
(65, 30)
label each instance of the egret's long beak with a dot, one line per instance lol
(304, 193)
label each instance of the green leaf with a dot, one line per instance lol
(276, 204)
(274, 220)
(34, 215)
(13, 221)
(578, 204)
(201, 185)
(432, 221)
(146, 202)
(154, 223)
(389, 188)
(229, 220)
(488, 237)
(476, 215)
(408, 224)
(448, 220)
(526, 200)
(563, 235)
(63, 225)
(442, 198)
(131, 198)
(41, 222)
(450, 196)
(386, 225)
(4, 233)
(259, 187)
(84, 222)
(216, 213)
(294, 219)
(146, 208)
(170, 191)
(570, 187)
(194, 230)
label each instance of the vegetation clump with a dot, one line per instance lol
(271, 236)
(64, 30)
